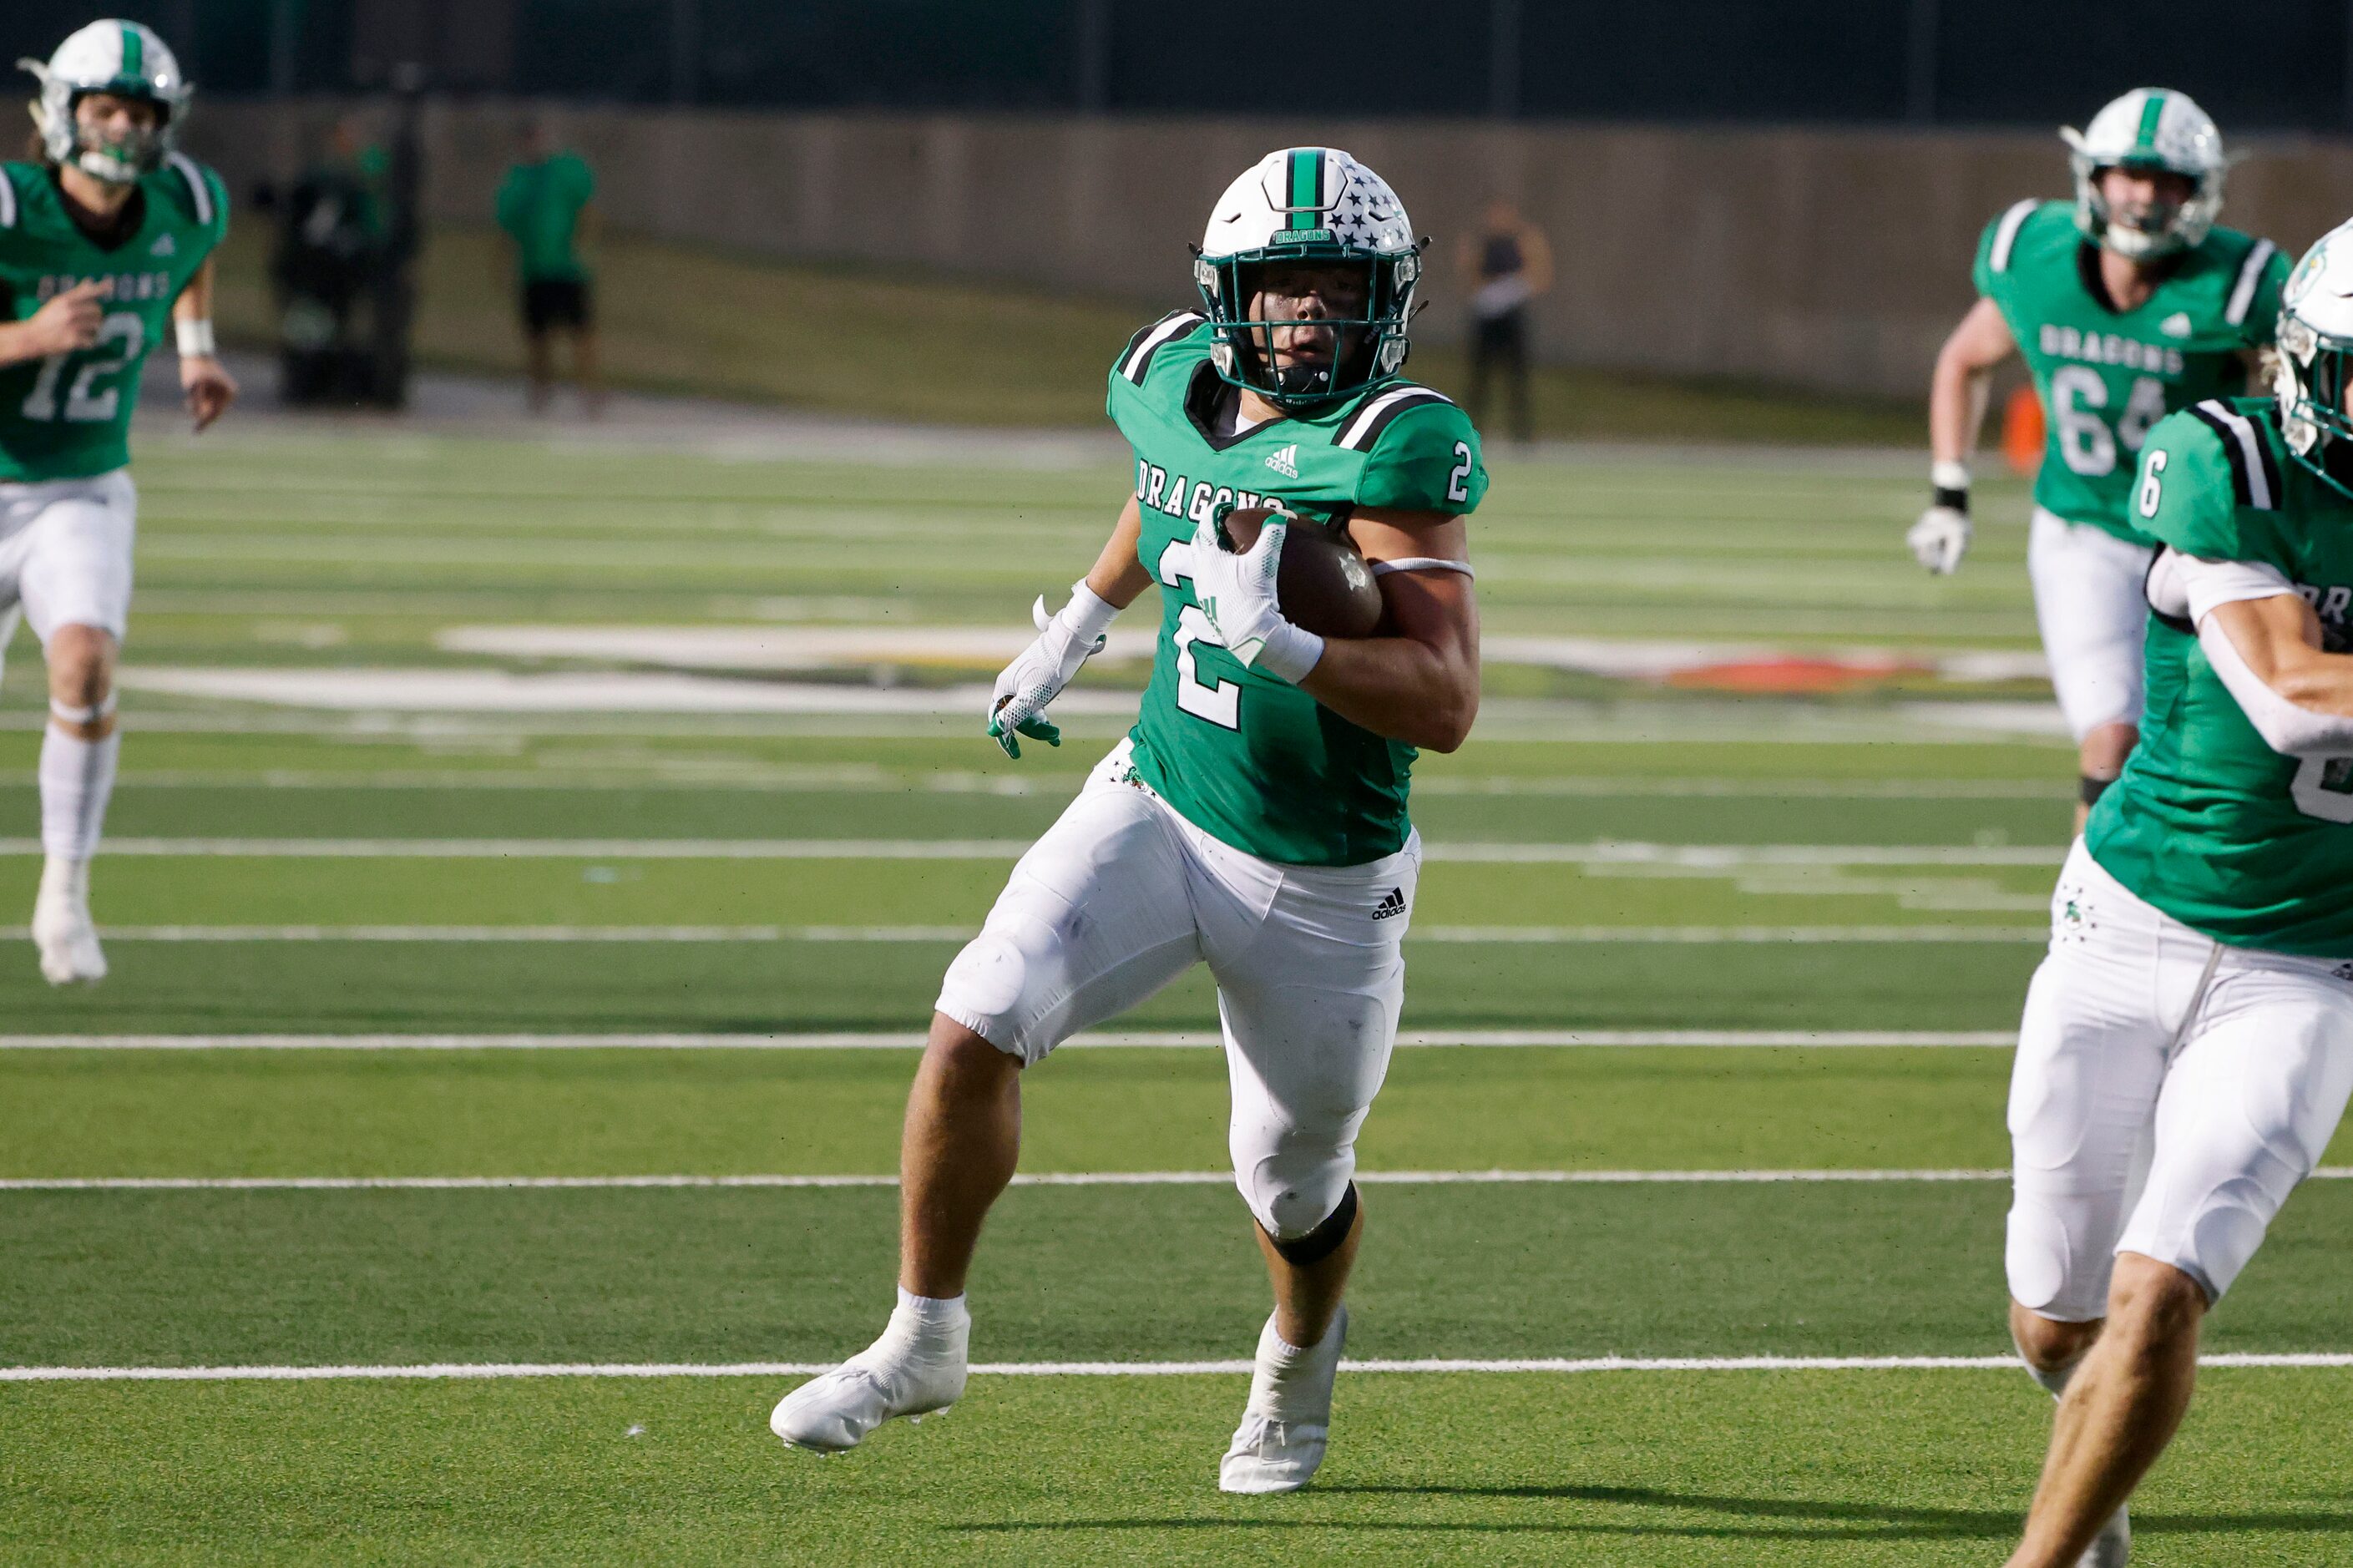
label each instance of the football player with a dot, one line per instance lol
(1254, 819)
(2188, 1043)
(103, 242)
(2127, 306)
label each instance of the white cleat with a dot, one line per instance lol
(894, 1376)
(2112, 1548)
(62, 929)
(1280, 1443)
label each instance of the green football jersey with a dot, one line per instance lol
(2107, 377)
(2208, 822)
(1241, 753)
(69, 416)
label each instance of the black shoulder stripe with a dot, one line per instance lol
(1364, 426)
(2213, 416)
(1136, 361)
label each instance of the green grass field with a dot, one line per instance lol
(1705, 1059)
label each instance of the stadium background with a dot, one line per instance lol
(538, 840)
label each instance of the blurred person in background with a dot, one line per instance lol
(106, 242)
(1511, 261)
(330, 240)
(545, 207)
(2128, 303)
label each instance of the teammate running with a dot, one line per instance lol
(2195, 1009)
(101, 243)
(1255, 818)
(2128, 305)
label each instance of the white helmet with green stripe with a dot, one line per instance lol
(124, 58)
(1312, 207)
(2154, 130)
(2313, 375)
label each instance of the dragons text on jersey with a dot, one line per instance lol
(1243, 754)
(69, 416)
(2106, 376)
(2208, 822)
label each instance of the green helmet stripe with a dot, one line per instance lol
(1306, 187)
(134, 52)
(2145, 140)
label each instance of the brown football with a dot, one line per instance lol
(1324, 585)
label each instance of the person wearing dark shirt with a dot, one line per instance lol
(1511, 264)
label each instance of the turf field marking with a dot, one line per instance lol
(904, 1041)
(1703, 857)
(502, 1370)
(1539, 935)
(1025, 1179)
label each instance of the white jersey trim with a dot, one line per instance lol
(198, 192)
(2250, 273)
(2005, 235)
(1359, 433)
(7, 202)
(1139, 358)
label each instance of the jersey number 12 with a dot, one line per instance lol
(84, 402)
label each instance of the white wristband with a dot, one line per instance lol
(1290, 652)
(195, 339)
(1945, 475)
(1088, 614)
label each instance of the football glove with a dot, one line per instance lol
(1939, 539)
(1236, 593)
(1066, 641)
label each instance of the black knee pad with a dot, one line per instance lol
(1326, 1239)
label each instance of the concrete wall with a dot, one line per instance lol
(1818, 257)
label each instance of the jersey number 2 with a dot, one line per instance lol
(83, 402)
(1218, 702)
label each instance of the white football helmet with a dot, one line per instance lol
(2316, 353)
(2149, 128)
(1316, 206)
(115, 57)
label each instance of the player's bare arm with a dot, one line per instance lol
(1420, 685)
(69, 322)
(203, 380)
(1956, 409)
(2278, 642)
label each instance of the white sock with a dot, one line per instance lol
(77, 779)
(929, 1325)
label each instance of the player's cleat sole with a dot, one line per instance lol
(1287, 1423)
(2112, 1548)
(833, 1412)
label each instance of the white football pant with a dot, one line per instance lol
(65, 552)
(2089, 602)
(1123, 895)
(2147, 1047)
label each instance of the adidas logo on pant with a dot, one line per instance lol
(1394, 904)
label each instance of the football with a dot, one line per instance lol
(1324, 585)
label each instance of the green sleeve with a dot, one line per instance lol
(1426, 460)
(584, 181)
(1981, 270)
(2184, 496)
(2262, 319)
(219, 189)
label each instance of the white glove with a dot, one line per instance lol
(1939, 539)
(1237, 594)
(1064, 642)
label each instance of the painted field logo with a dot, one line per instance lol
(1285, 462)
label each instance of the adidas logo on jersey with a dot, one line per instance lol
(1390, 906)
(2177, 325)
(1285, 462)
(164, 245)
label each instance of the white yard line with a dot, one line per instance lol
(1536, 935)
(1025, 1179)
(470, 1371)
(1607, 852)
(886, 1040)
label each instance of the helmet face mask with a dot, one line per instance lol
(118, 59)
(2313, 377)
(1308, 272)
(2148, 130)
